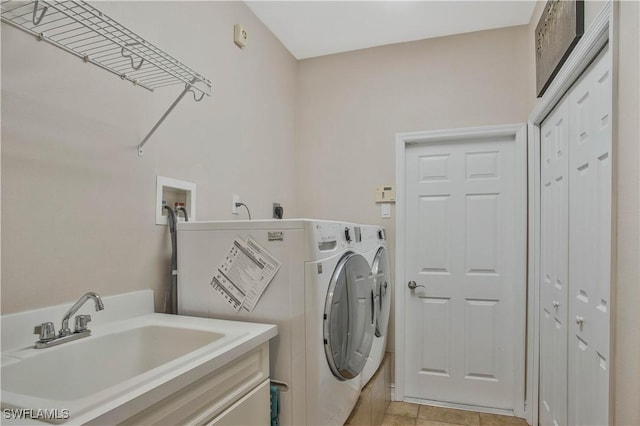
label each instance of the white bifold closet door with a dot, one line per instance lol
(590, 244)
(576, 252)
(554, 260)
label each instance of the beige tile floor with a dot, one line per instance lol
(406, 414)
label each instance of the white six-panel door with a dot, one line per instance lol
(462, 323)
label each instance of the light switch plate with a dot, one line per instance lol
(385, 210)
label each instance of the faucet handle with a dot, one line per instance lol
(46, 331)
(81, 322)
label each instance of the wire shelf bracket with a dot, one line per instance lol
(84, 31)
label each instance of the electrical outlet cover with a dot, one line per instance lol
(240, 36)
(234, 199)
(278, 211)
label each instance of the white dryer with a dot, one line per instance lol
(320, 298)
(374, 248)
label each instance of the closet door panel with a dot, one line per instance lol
(589, 244)
(554, 268)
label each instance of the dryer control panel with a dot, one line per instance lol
(328, 237)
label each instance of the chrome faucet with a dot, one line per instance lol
(48, 337)
(65, 330)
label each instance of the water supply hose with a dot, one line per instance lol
(171, 292)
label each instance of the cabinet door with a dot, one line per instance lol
(554, 260)
(590, 244)
(253, 409)
(210, 396)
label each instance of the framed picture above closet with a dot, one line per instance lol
(558, 31)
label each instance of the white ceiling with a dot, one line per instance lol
(316, 28)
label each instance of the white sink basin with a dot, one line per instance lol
(122, 361)
(94, 364)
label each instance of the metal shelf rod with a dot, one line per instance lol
(165, 115)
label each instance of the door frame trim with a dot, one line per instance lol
(599, 33)
(519, 133)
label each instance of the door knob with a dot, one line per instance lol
(579, 320)
(412, 285)
(556, 304)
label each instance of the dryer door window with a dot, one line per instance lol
(348, 318)
(382, 296)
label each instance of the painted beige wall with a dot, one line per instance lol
(627, 263)
(78, 201)
(351, 105)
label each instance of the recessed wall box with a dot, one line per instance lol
(385, 194)
(171, 191)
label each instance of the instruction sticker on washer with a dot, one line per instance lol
(244, 274)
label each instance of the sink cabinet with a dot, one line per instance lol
(235, 394)
(252, 410)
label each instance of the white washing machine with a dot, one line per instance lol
(320, 298)
(374, 248)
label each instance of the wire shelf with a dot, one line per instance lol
(81, 29)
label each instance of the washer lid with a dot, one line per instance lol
(348, 317)
(382, 275)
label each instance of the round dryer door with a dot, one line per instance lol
(348, 317)
(382, 296)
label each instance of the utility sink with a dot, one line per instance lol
(95, 364)
(123, 361)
